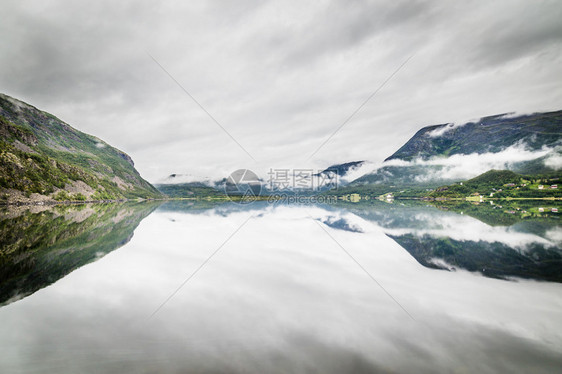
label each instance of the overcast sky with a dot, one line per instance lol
(280, 77)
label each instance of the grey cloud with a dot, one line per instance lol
(337, 27)
(516, 37)
(280, 76)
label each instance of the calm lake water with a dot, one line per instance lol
(263, 288)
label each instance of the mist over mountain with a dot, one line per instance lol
(529, 144)
(188, 185)
(491, 134)
(342, 169)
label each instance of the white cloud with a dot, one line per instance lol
(441, 130)
(279, 76)
(185, 178)
(365, 168)
(461, 166)
(554, 160)
(514, 115)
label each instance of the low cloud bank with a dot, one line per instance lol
(466, 166)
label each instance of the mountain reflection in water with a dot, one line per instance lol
(279, 296)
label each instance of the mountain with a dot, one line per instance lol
(501, 184)
(436, 155)
(187, 185)
(488, 135)
(186, 178)
(44, 159)
(189, 189)
(494, 177)
(342, 169)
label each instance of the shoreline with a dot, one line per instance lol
(71, 202)
(259, 198)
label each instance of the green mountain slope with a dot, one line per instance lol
(42, 158)
(502, 184)
(190, 190)
(495, 177)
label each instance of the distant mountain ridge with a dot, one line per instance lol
(187, 185)
(44, 159)
(435, 155)
(489, 134)
(189, 189)
(342, 169)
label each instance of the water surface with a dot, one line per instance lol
(375, 288)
